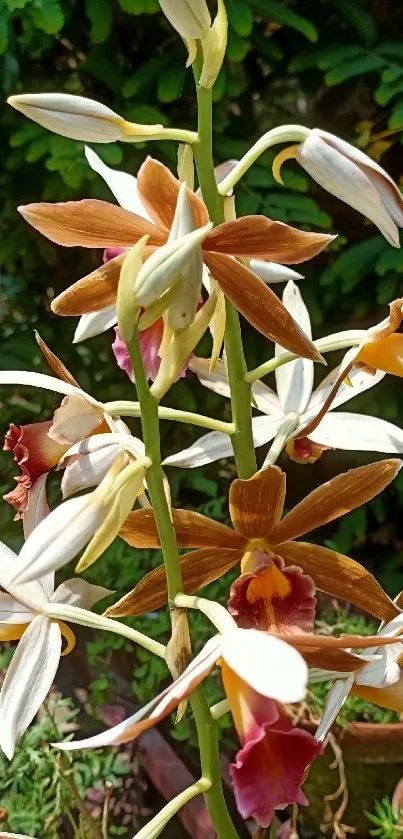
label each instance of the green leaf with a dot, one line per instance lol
(48, 15)
(349, 69)
(146, 74)
(103, 68)
(393, 49)
(100, 14)
(362, 21)
(220, 84)
(387, 90)
(3, 29)
(266, 46)
(240, 17)
(354, 264)
(237, 47)
(395, 121)
(274, 10)
(390, 260)
(386, 288)
(171, 83)
(139, 7)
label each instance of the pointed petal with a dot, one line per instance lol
(158, 190)
(30, 594)
(334, 703)
(360, 379)
(192, 531)
(273, 272)
(38, 507)
(28, 680)
(94, 323)
(207, 449)
(198, 568)
(47, 548)
(159, 707)
(259, 305)
(13, 612)
(270, 667)
(335, 498)
(295, 380)
(75, 419)
(258, 236)
(78, 592)
(88, 470)
(256, 504)
(340, 576)
(122, 185)
(266, 400)
(358, 432)
(95, 292)
(90, 224)
(25, 377)
(54, 362)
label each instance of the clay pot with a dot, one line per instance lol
(373, 759)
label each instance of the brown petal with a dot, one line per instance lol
(90, 224)
(337, 660)
(54, 362)
(340, 576)
(355, 642)
(198, 569)
(261, 238)
(192, 531)
(259, 305)
(93, 292)
(256, 504)
(335, 498)
(159, 189)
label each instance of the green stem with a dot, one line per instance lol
(132, 409)
(207, 728)
(241, 402)
(154, 827)
(330, 343)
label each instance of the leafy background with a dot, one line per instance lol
(337, 64)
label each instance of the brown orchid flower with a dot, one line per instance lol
(255, 507)
(97, 224)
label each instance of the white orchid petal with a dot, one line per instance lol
(59, 538)
(88, 470)
(38, 507)
(295, 380)
(342, 177)
(122, 185)
(28, 680)
(335, 700)
(25, 377)
(270, 666)
(264, 429)
(78, 592)
(158, 708)
(217, 380)
(95, 323)
(358, 432)
(266, 400)
(272, 272)
(360, 379)
(207, 449)
(12, 611)
(30, 594)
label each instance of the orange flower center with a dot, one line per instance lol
(384, 354)
(268, 583)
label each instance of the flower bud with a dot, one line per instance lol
(214, 46)
(78, 118)
(190, 18)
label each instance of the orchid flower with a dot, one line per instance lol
(36, 659)
(297, 401)
(352, 176)
(260, 534)
(380, 680)
(380, 351)
(66, 441)
(92, 223)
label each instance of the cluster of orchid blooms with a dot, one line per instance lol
(177, 262)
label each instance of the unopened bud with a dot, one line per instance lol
(179, 650)
(79, 118)
(127, 310)
(214, 46)
(190, 18)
